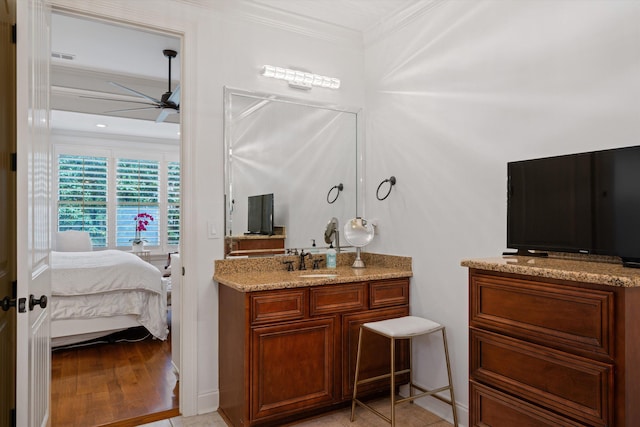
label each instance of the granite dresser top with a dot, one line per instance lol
(597, 270)
(268, 273)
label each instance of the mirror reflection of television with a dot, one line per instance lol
(260, 220)
(584, 203)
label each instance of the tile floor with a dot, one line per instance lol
(407, 415)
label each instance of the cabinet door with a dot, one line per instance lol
(292, 367)
(375, 359)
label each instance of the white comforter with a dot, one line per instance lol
(107, 283)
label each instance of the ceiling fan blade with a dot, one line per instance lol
(132, 109)
(164, 114)
(175, 96)
(116, 100)
(135, 92)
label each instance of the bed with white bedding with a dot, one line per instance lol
(100, 292)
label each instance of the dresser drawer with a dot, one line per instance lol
(388, 293)
(278, 306)
(570, 318)
(555, 380)
(491, 407)
(337, 298)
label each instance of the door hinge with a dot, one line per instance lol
(14, 36)
(14, 162)
(183, 271)
(13, 417)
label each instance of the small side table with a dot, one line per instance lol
(145, 255)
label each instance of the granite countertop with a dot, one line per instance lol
(609, 272)
(259, 274)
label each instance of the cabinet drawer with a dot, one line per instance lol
(493, 408)
(388, 293)
(278, 306)
(337, 299)
(570, 318)
(559, 381)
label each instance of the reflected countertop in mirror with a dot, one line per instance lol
(300, 152)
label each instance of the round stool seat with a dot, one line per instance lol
(403, 327)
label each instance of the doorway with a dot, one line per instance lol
(87, 54)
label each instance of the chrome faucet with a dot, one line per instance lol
(303, 255)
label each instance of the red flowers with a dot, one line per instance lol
(142, 220)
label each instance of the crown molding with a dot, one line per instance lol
(399, 20)
(282, 20)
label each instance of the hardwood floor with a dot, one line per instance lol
(117, 384)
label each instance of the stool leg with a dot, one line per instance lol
(393, 382)
(355, 381)
(453, 399)
(411, 369)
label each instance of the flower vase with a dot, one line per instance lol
(137, 246)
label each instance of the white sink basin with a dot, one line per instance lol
(317, 276)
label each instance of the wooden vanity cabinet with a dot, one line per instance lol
(290, 353)
(255, 244)
(549, 352)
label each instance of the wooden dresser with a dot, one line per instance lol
(288, 345)
(553, 342)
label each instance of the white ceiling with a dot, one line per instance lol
(133, 57)
(102, 52)
(102, 46)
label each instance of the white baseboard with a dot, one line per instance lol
(208, 402)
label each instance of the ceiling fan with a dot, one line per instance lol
(169, 102)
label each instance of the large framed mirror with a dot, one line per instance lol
(307, 155)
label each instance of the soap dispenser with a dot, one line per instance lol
(331, 257)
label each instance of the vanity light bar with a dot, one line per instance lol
(300, 79)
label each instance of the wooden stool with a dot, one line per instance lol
(402, 328)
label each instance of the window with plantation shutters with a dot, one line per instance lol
(82, 196)
(104, 194)
(137, 192)
(173, 203)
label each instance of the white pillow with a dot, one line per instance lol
(73, 241)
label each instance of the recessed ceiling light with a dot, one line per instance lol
(101, 125)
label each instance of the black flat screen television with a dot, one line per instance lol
(585, 203)
(260, 219)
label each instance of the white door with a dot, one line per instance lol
(7, 216)
(33, 335)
